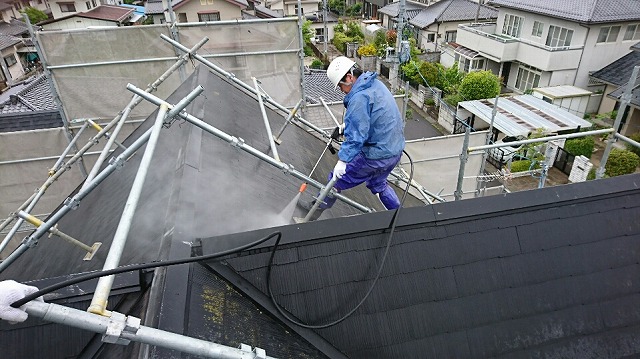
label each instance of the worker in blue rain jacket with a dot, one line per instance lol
(373, 131)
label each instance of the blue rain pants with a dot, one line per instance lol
(374, 173)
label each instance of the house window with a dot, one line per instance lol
(301, 9)
(608, 34)
(93, 2)
(431, 37)
(512, 25)
(450, 36)
(559, 36)
(320, 35)
(67, 7)
(528, 78)
(538, 27)
(467, 65)
(10, 60)
(210, 16)
(182, 17)
(88, 5)
(632, 33)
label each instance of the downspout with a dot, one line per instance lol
(581, 54)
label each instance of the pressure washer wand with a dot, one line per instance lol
(329, 147)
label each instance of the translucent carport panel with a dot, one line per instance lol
(265, 49)
(90, 85)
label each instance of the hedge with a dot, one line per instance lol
(632, 148)
(621, 162)
(582, 146)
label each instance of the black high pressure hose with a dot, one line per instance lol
(135, 267)
(392, 227)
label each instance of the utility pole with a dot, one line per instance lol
(325, 33)
(399, 31)
(477, 12)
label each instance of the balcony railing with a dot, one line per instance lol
(488, 31)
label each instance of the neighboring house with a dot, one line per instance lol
(290, 7)
(64, 8)
(550, 42)
(198, 10)
(614, 78)
(389, 14)
(15, 47)
(11, 8)
(547, 273)
(30, 108)
(103, 15)
(437, 24)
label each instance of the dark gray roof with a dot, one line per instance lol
(393, 9)
(152, 7)
(13, 28)
(36, 96)
(8, 41)
(635, 47)
(549, 273)
(452, 10)
(586, 11)
(267, 12)
(635, 95)
(618, 72)
(317, 84)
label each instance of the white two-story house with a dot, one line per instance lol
(552, 42)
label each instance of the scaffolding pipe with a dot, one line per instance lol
(36, 197)
(272, 142)
(103, 288)
(239, 143)
(287, 121)
(240, 83)
(249, 53)
(114, 62)
(121, 329)
(54, 90)
(72, 203)
(72, 144)
(91, 250)
(627, 139)
(417, 186)
(330, 113)
(106, 134)
(625, 100)
(487, 140)
(541, 139)
(47, 158)
(234, 22)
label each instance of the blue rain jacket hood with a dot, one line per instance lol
(373, 124)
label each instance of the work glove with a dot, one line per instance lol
(340, 169)
(11, 291)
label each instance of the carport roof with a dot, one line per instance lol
(522, 114)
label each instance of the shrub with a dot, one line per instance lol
(316, 64)
(340, 41)
(621, 162)
(520, 166)
(453, 99)
(582, 146)
(632, 148)
(479, 85)
(430, 102)
(35, 16)
(367, 50)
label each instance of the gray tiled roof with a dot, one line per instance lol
(452, 10)
(317, 84)
(588, 11)
(635, 95)
(15, 27)
(155, 6)
(635, 47)
(35, 97)
(7, 41)
(618, 72)
(393, 9)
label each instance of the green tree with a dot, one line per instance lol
(307, 34)
(621, 162)
(479, 85)
(35, 16)
(336, 6)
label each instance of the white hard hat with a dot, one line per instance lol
(338, 68)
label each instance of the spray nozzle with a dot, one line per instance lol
(303, 187)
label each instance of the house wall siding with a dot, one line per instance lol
(55, 8)
(596, 56)
(77, 23)
(227, 10)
